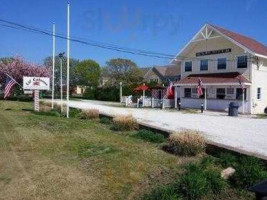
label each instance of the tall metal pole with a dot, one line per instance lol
(68, 57)
(61, 85)
(53, 63)
(120, 92)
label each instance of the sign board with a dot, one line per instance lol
(36, 83)
(29, 92)
(212, 52)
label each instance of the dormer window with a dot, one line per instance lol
(188, 66)
(242, 62)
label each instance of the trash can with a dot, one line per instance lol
(233, 109)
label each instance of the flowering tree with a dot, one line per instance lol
(17, 68)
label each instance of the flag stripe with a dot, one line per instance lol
(10, 82)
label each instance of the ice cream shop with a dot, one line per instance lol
(231, 68)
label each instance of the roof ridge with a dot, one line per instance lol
(248, 42)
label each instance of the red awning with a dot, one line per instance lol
(214, 78)
(141, 88)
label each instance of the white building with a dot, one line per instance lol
(224, 61)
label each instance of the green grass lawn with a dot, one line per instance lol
(45, 157)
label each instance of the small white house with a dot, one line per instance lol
(226, 62)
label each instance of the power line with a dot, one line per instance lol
(102, 45)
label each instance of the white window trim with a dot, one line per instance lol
(236, 59)
(199, 65)
(217, 64)
(191, 66)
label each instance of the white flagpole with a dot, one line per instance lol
(61, 86)
(68, 57)
(53, 60)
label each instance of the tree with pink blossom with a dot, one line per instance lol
(17, 67)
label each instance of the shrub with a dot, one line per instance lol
(201, 180)
(188, 143)
(168, 192)
(227, 160)
(124, 123)
(249, 171)
(89, 114)
(105, 120)
(149, 136)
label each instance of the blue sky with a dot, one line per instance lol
(155, 25)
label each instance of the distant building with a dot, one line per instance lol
(161, 74)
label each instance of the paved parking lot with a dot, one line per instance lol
(244, 134)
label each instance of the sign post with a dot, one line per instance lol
(36, 84)
(36, 101)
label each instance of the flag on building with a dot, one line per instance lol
(199, 87)
(10, 82)
(241, 84)
(170, 93)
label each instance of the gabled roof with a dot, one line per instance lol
(144, 70)
(214, 78)
(247, 42)
(168, 70)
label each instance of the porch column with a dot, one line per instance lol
(175, 97)
(205, 99)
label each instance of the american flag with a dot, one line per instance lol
(170, 93)
(199, 87)
(10, 82)
(241, 84)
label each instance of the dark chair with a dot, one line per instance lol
(260, 190)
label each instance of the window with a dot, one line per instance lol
(259, 93)
(204, 66)
(221, 63)
(242, 61)
(188, 66)
(156, 80)
(239, 93)
(187, 92)
(220, 94)
(194, 90)
(230, 91)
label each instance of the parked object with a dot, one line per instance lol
(260, 190)
(233, 109)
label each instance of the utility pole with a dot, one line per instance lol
(61, 55)
(53, 63)
(68, 58)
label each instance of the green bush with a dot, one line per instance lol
(149, 136)
(89, 93)
(168, 192)
(22, 98)
(227, 160)
(249, 171)
(201, 180)
(105, 120)
(187, 143)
